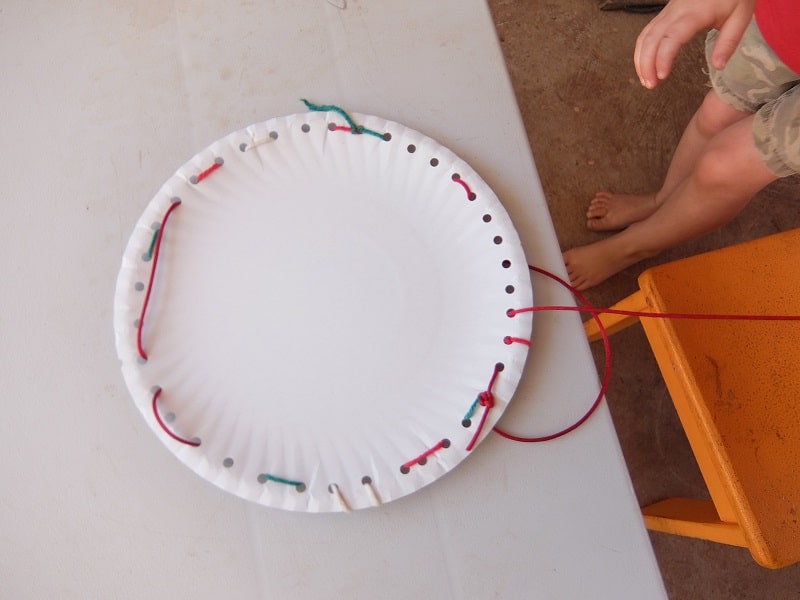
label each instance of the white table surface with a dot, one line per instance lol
(100, 103)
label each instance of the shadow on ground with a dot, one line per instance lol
(593, 127)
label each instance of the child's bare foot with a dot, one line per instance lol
(612, 212)
(589, 265)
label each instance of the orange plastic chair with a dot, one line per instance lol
(736, 388)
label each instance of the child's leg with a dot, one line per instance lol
(727, 173)
(610, 212)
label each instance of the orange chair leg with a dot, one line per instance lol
(614, 323)
(692, 518)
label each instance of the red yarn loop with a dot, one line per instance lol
(606, 371)
(595, 314)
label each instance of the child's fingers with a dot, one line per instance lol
(730, 34)
(644, 56)
(657, 47)
(679, 21)
(667, 51)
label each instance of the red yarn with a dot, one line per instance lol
(415, 461)
(462, 183)
(156, 251)
(508, 340)
(164, 426)
(656, 315)
(203, 174)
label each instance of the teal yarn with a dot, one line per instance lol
(472, 409)
(149, 253)
(354, 128)
(331, 108)
(268, 477)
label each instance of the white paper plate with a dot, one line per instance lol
(326, 308)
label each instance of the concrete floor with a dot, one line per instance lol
(592, 127)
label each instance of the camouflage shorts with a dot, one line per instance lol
(756, 81)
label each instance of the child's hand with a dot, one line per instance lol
(679, 21)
